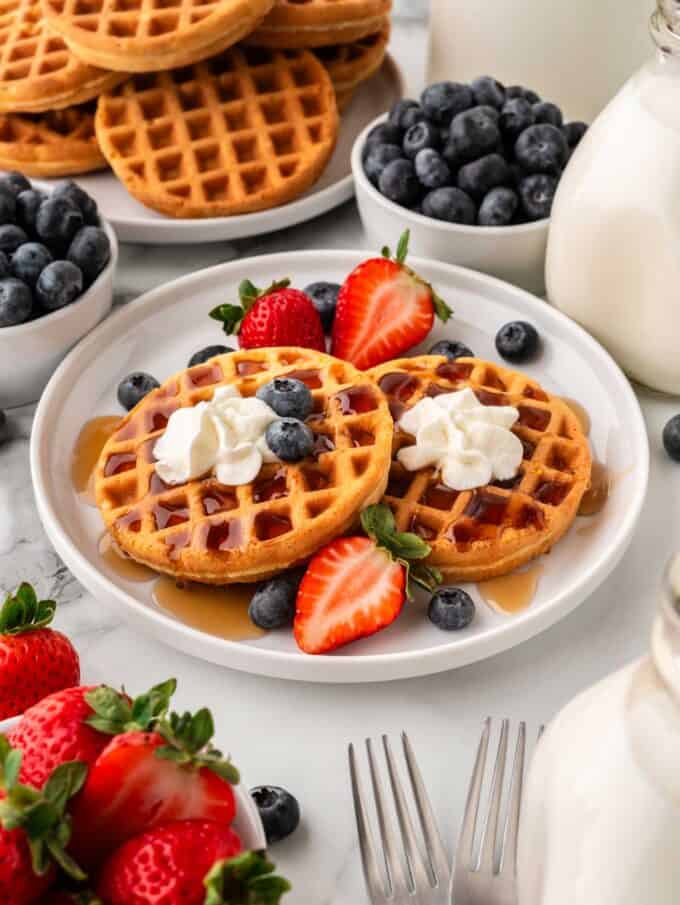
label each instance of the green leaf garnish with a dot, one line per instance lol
(115, 713)
(247, 879)
(23, 612)
(188, 743)
(231, 316)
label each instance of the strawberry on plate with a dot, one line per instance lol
(384, 309)
(277, 316)
(35, 660)
(356, 586)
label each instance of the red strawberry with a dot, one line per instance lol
(66, 897)
(277, 316)
(356, 586)
(143, 779)
(34, 660)
(384, 309)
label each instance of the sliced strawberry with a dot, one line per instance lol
(384, 309)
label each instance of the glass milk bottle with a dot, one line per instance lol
(613, 260)
(601, 816)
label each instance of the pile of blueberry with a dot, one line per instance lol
(52, 247)
(474, 154)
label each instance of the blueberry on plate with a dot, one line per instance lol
(473, 134)
(90, 250)
(288, 397)
(487, 90)
(450, 204)
(377, 158)
(16, 302)
(516, 116)
(203, 355)
(397, 112)
(451, 349)
(289, 439)
(422, 135)
(671, 438)
(57, 222)
(537, 193)
(432, 170)
(444, 100)
(16, 182)
(399, 183)
(11, 237)
(59, 284)
(8, 205)
(27, 204)
(273, 603)
(383, 134)
(480, 176)
(279, 812)
(72, 192)
(525, 93)
(517, 341)
(574, 132)
(451, 609)
(498, 207)
(542, 149)
(5, 267)
(324, 297)
(4, 428)
(545, 112)
(133, 388)
(29, 261)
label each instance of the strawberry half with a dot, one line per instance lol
(384, 309)
(277, 316)
(356, 586)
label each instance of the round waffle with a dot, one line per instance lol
(490, 531)
(214, 534)
(245, 131)
(351, 64)
(55, 144)
(320, 23)
(150, 35)
(37, 70)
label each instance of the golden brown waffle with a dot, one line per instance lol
(245, 131)
(320, 23)
(61, 143)
(351, 64)
(214, 534)
(151, 35)
(492, 530)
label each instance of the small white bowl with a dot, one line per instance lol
(513, 253)
(30, 352)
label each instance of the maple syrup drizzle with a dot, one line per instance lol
(511, 593)
(120, 563)
(596, 496)
(222, 612)
(89, 445)
(580, 412)
(356, 400)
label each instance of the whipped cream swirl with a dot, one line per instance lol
(226, 435)
(470, 443)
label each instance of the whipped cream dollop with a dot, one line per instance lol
(225, 435)
(470, 443)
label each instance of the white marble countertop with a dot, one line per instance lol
(296, 735)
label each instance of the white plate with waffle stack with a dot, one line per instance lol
(160, 331)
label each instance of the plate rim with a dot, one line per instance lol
(348, 668)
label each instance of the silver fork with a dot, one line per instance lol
(491, 878)
(413, 879)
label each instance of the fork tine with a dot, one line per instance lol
(488, 849)
(436, 853)
(396, 874)
(374, 882)
(509, 853)
(466, 838)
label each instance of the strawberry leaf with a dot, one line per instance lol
(402, 247)
(247, 879)
(23, 612)
(441, 309)
(188, 743)
(230, 316)
(114, 713)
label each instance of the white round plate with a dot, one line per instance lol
(158, 333)
(135, 223)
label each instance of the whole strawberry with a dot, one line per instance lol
(34, 660)
(277, 316)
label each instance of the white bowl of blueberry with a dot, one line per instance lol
(57, 260)
(471, 170)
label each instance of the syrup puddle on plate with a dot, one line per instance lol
(580, 412)
(219, 611)
(120, 563)
(511, 593)
(91, 441)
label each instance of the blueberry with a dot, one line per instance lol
(27, 204)
(68, 190)
(273, 603)
(473, 134)
(432, 170)
(4, 428)
(422, 135)
(377, 158)
(16, 302)
(203, 355)
(444, 100)
(133, 388)
(5, 267)
(517, 341)
(498, 207)
(480, 176)
(279, 812)
(15, 182)
(542, 149)
(451, 349)
(29, 261)
(574, 132)
(537, 193)
(383, 134)
(8, 206)
(11, 237)
(289, 439)
(324, 297)
(450, 204)
(487, 90)
(57, 222)
(671, 438)
(412, 116)
(90, 250)
(398, 111)
(489, 110)
(516, 116)
(525, 93)
(59, 284)
(451, 609)
(399, 183)
(545, 112)
(290, 398)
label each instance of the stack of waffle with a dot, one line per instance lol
(202, 108)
